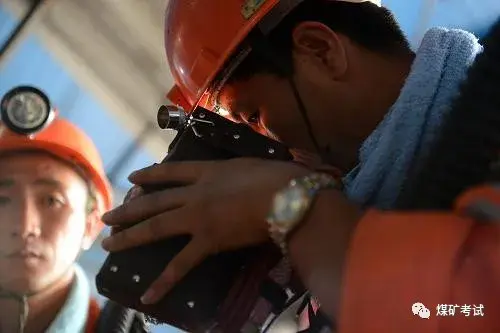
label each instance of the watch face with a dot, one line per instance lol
(289, 205)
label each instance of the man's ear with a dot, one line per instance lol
(93, 228)
(321, 43)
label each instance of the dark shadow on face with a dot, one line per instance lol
(266, 103)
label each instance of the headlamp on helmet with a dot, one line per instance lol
(26, 110)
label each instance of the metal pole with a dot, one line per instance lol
(129, 152)
(21, 30)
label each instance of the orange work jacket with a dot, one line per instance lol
(93, 316)
(449, 262)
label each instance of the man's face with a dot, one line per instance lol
(266, 103)
(43, 220)
(326, 85)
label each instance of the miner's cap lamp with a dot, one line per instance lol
(26, 110)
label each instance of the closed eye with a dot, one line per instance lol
(254, 118)
(4, 200)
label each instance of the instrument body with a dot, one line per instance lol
(194, 304)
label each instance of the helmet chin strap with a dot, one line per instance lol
(24, 306)
(323, 152)
(22, 299)
(262, 46)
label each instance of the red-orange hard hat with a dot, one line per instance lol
(66, 141)
(200, 36)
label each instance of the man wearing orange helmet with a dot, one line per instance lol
(336, 78)
(53, 190)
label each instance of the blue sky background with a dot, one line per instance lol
(33, 64)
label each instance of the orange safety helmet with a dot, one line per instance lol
(201, 35)
(66, 141)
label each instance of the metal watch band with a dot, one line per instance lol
(307, 188)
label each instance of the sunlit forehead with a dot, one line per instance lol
(40, 170)
(223, 112)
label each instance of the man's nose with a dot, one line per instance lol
(28, 222)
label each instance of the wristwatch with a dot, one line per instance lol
(291, 205)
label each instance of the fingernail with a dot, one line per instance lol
(148, 297)
(108, 215)
(132, 175)
(105, 243)
(137, 172)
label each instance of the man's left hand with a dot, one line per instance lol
(223, 206)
